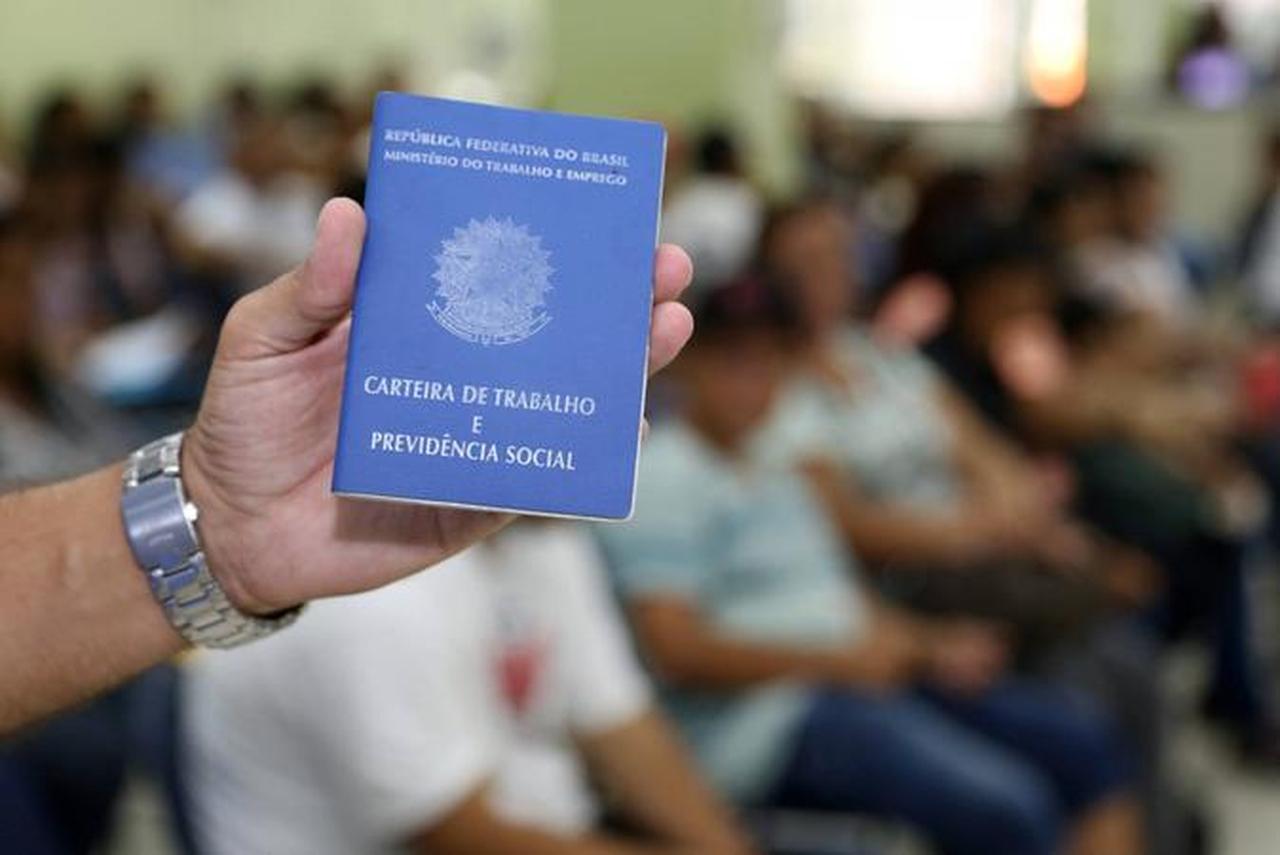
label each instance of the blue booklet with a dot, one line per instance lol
(500, 329)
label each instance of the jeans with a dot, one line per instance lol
(1000, 772)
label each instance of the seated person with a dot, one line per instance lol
(916, 480)
(1152, 451)
(254, 220)
(459, 711)
(795, 687)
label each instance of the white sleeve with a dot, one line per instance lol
(407, 718)
(212, 219)
(607, 686)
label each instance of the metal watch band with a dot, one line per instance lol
(159, 523)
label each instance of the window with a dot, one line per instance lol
(936, 58)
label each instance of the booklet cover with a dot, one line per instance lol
(500, 331)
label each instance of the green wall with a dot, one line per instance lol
(684, 61)
(688, 63)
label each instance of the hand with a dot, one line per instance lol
(1129, 577)
(259, 459)
(1067, 548)
(966, 656)
(888, 658)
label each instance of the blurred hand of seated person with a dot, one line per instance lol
(1072, 391)
(466, 710)
(913, 475)
(793, 687)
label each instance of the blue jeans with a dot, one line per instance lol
(59, 782)
(998, 773)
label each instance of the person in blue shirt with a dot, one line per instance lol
(793, 684)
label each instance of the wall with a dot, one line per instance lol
(1211, 158)
(689, 62)
(195, 44)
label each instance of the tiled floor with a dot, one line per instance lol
(1245, 807)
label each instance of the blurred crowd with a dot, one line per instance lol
(959, 456)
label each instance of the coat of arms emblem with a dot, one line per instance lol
(492, 279)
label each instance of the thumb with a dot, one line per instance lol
(290, 312)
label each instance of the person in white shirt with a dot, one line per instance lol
(716, 214)
(463, 710)
(254, 220)
(1137, 268)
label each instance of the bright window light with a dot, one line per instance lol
(905, 58)
(1057, 50)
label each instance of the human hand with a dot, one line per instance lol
(258, 461)
(887, 658)
(965, 656)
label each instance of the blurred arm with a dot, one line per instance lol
(77, 613)
(651, 780)
(887, 534)
(685, 650)
(990, 465)
(474, 829)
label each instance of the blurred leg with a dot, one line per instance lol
(896, 758)
(1119, 665)
(75, 765)
(25, 823)
(1070, 741)
(1113, 827)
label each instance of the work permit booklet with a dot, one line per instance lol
(501, 322)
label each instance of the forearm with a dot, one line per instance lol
(651, 781)
(888, 534)
(891, 537)
(989, 464)
(474, 829)
(78, 616)
(717, 662)
(503, 839)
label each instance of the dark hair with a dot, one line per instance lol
(991, 250)
(749, 303)
(781, 215)
(1115, 168)
(718, 152)
(953, 207)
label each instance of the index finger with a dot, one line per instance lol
(672, 272)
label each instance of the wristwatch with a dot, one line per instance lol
(161, 527)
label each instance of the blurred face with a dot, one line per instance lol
(731, 382)
(259, 155)
(811, 252)
(1083, 216)
(1140, 207)
(60, 201)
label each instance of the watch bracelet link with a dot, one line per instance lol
(159, 523)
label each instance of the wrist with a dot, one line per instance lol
(218, 529)
(160, 525)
